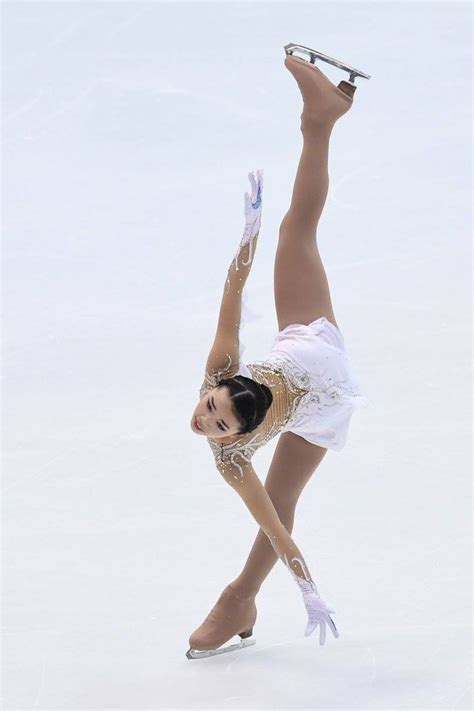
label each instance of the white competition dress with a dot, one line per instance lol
(313, 358)
(315, 391)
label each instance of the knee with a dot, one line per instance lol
(290, 223)
(297, 232)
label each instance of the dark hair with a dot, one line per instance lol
(250, 400)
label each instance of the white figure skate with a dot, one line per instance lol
(313, 54)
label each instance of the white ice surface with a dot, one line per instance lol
(129, 130)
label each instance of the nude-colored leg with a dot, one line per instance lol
(294, 462)
(301, 295)
(300, 283)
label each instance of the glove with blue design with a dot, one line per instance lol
(253, 218)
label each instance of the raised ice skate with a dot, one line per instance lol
(313, 55)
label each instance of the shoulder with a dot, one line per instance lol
(229, 369)
(231, 458)
(212, 375)
(223, 359)
(265, 373)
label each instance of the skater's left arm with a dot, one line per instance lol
(226, 340)
(249, 487)
(244, 480)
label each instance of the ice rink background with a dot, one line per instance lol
(128, 133)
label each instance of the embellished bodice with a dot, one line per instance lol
(299, 397)
(287, 395)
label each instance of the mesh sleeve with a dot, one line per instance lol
(244, 480)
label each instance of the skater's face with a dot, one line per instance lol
(213, 416)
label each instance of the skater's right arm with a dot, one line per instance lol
(224, 354)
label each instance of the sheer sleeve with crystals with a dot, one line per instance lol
(249, 487)
(211, 378)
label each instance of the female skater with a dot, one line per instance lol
(304, 390)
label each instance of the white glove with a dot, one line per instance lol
(318, 611)
(253, 206)
(253, 215)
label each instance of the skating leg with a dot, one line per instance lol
(294, 462)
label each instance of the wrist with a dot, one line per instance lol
(306, 586)
(245, 253)
(238, 271)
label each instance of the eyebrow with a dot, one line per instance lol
(213, 404)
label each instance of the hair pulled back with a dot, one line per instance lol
(250, 400)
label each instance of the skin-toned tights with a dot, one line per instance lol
(301, 295)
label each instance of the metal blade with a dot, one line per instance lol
(314, 54)
(196, 654)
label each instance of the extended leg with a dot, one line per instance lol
(294, 462)
(300, 282)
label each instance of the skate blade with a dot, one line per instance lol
(196, 654)
(314, 54)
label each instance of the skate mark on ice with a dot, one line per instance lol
(41, 684)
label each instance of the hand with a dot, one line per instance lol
(253, 206)
(253, 217)
(318, 613)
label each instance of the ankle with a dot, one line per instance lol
(242, 591)
(318, 123)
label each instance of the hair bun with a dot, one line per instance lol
(250, 400)
(267, 394)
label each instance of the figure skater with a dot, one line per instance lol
(304, 389)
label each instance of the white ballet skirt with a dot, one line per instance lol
(314, 357)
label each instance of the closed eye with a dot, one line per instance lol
(215, 408)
